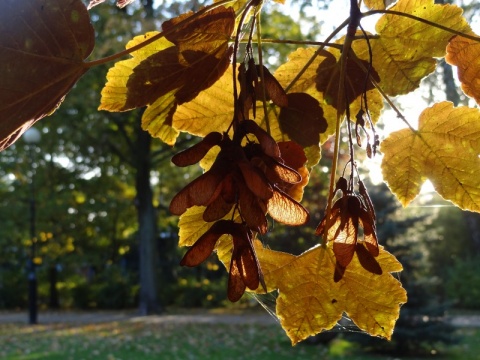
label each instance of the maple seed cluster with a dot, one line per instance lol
(347, 214)
(248, 179)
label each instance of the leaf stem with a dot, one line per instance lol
(314, 56)
(352, 24)
(301, 42)
(262, 76)
(234, 61)
(384, 95)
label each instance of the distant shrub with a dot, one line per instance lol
(110, 289)
(13, 289)
(462, 284)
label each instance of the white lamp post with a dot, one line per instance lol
(32, 137)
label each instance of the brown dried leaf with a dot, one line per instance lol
(356, 82)
(42, 51)
(465, 55)
(303, 119)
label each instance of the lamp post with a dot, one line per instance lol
(32, 137)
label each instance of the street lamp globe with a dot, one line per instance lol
(32, 136)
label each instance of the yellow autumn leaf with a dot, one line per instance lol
(465, 55)
(115, 92)
(191, 226)
(310, 302)
(405, 49)
(211, 110)
(445, 149)
(157, 118)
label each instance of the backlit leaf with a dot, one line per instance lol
(211, 110)
(115, 94)
(157, 118)
(465, 55)
(310, 302)
(171, 71)
(405, 50)
(42, 50)
(191, 226)
(445, 149)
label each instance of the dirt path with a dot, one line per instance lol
(77, 317)
(74, 317)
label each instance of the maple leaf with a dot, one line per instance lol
(445, 149)
(465, 54)
(211, 110)
(405, 49)
(40, 62)
(171, 70)
(310, 302)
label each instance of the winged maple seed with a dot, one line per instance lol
(252, 179)
(244, 270)
(348, 213)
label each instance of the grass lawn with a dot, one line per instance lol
(140, 340)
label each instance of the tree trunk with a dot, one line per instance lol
(147, 226)
(450, 86)
(473, 223)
